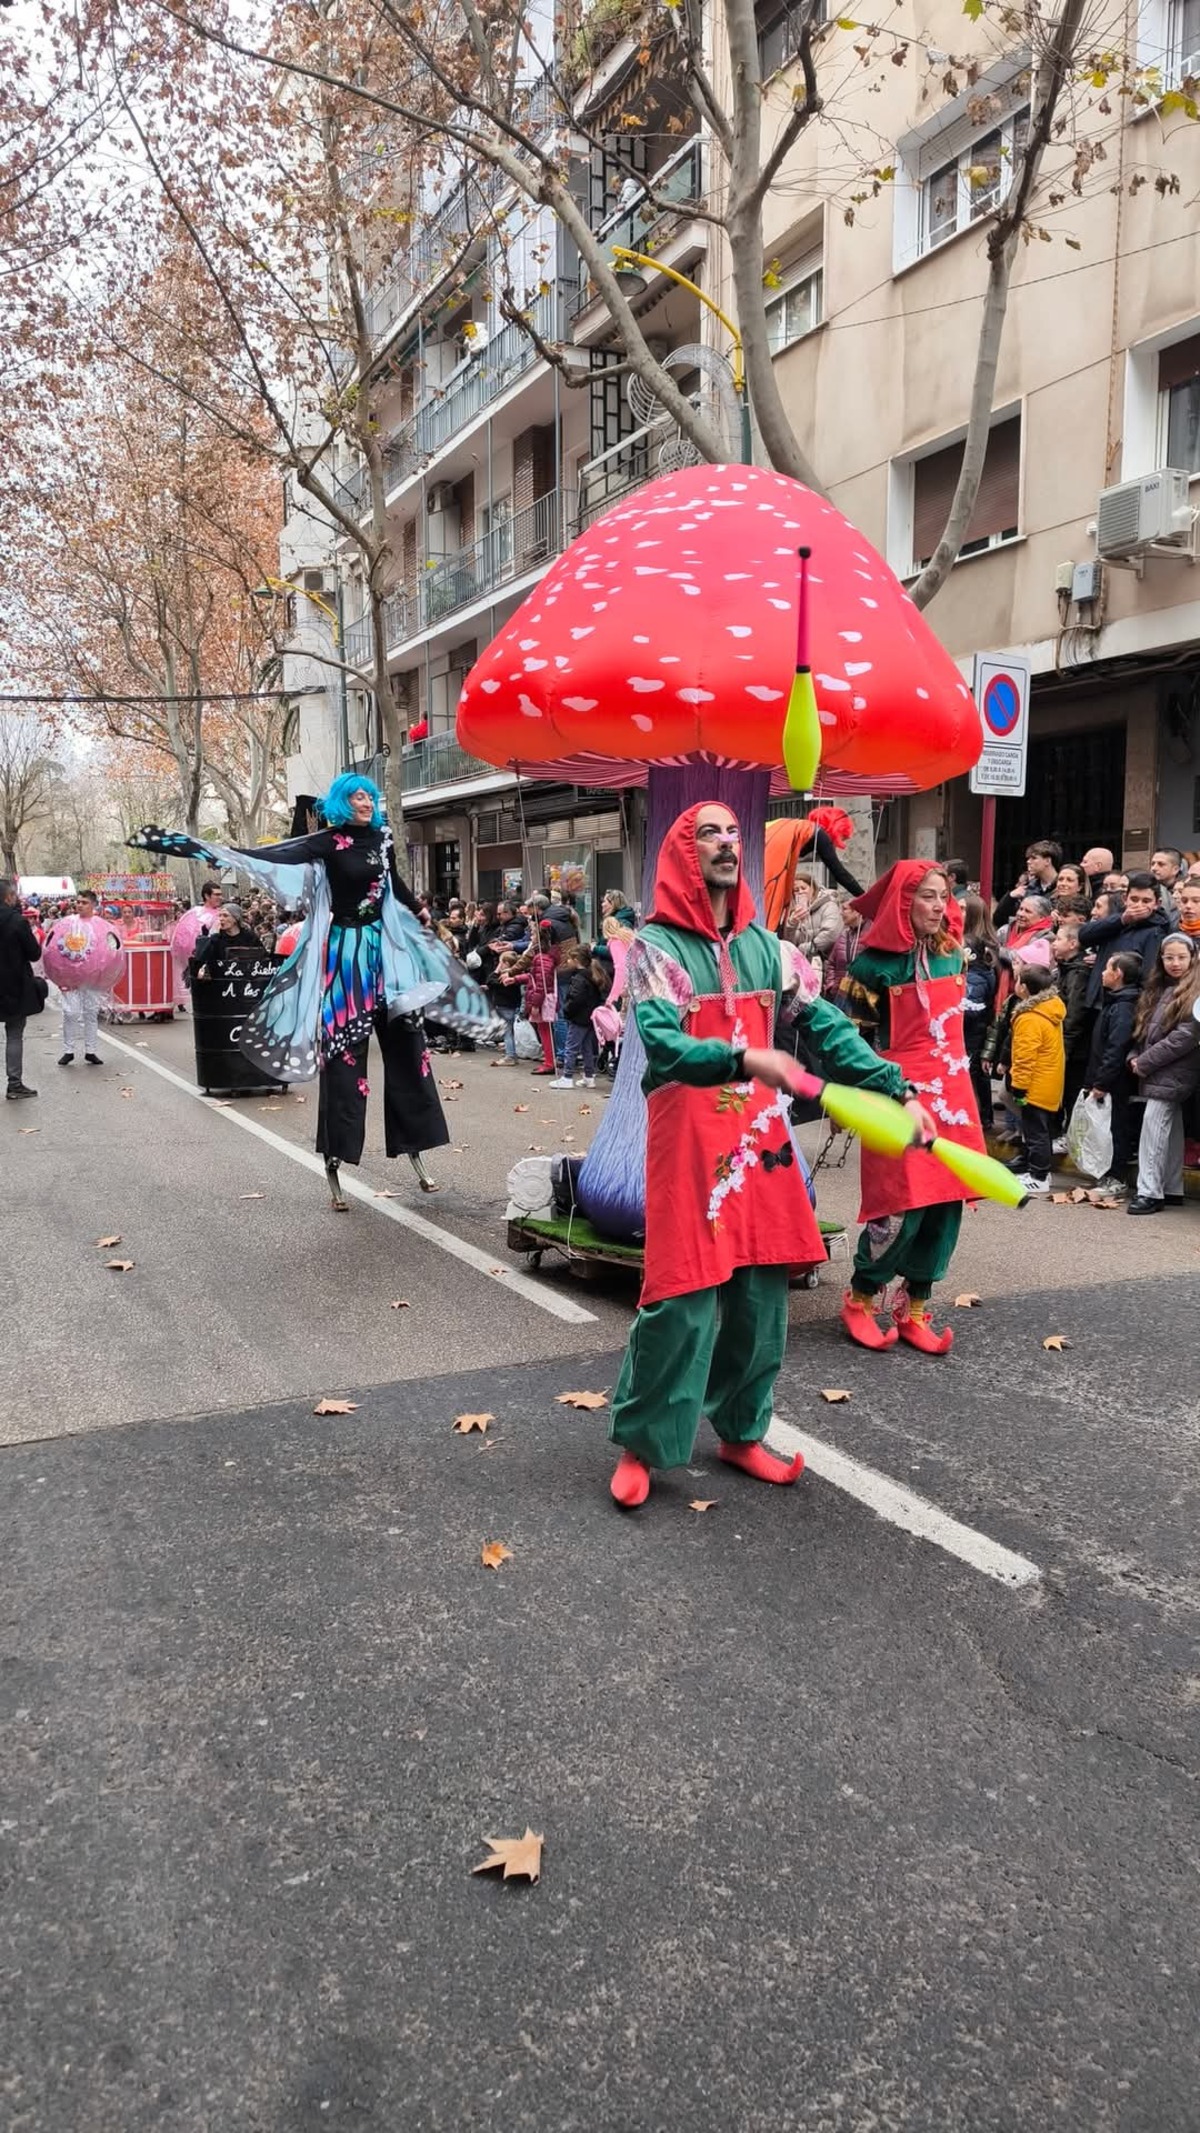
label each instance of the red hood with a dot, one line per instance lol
(681, 897)
(887, 906)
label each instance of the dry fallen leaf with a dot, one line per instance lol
(127, 1092)
(967, 1301)
(1099, 1199)
(1057, 1341)
(520, 1107)
(833, 1393)
(497, 1270)
(252, 1196)
(388, 1194)
(581, 1399)
(490, 1446)
(517, 1855)
(493, 1553)
(449, 1084)
(464, 1424)
(120, 1266)
(535, 1147)
(1079, 1195)
(336, 1407)
(142, 1045)
(1060, 1199)
(703, 1503)
(401, 1303)
(301, 1099)
(28, 1129)
(106, 1243)
(585, 1110)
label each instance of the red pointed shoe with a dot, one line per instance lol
(863, 1326)
(630, 1484)
(764, 1465)
(919, 1333)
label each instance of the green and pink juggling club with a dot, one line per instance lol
(887, 1128)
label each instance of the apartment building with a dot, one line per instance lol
(878, 312)
(495, 459)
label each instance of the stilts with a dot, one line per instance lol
(426, 1183)
(341, 1204)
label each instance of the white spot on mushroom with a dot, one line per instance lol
(858, 666)
(534, 666)
(649, 544)
(851, 636)
(649, 570)
(528, 707)
(489, 687)
(859, 702)
(739, 629)
(529, 644)
(585, 632)
(784, 604)
(644, 687)
(764, 695)
(826, 718)
(695, 696)
(831, 681)
(598, 606)
(737, 577)
(924, 695)
(866, 602)
(580, 703)
(643, 724)
(641, 640)
(563, 665)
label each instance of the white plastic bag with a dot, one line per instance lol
(1089, 1135)
(528, 1042)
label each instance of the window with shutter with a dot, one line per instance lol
(964, 172)
(996, 516)
(796, 306)
(1179, 404)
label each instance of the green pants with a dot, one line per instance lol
(916, 1248)
(714, 1352)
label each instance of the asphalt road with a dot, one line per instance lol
(840, 1835)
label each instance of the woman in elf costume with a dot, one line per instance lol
(906, 989)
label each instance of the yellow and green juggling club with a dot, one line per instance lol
(887, 1128)
(801, 726)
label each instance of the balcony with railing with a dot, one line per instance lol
(438, 760)
(358, 641)
(510, 549)
(489, 373)
(435, 247)
(646, 225)
(624, 467)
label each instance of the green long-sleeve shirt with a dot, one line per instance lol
(706, 1062)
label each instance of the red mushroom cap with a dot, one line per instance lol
(668, 629)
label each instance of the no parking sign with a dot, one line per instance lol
(1002, 694)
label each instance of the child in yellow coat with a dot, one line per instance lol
(1037, 1072)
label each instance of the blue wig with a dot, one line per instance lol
(335, 808)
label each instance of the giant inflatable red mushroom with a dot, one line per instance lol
(660, 650)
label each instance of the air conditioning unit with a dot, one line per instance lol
(1151, 513)
(314, 581)
(441, 498)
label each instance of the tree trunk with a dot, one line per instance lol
(612, 1182)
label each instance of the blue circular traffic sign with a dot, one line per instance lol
(1002, 704)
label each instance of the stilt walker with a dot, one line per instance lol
(363, 965)
(727, 1202)
(906, 990)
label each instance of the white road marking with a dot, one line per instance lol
(902, 1507)
(484, 1263)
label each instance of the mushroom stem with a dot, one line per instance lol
(612, 1182)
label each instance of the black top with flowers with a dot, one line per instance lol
(356, 861)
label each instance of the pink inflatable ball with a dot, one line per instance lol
(189, 931)
(287, 940)
(83, 952)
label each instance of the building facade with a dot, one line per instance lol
(497, 456)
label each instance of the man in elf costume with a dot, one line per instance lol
(727, 1205)
(905, 990)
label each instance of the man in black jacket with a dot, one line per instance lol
(1141, 930)
(20, 993)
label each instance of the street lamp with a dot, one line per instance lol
(624, 257)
